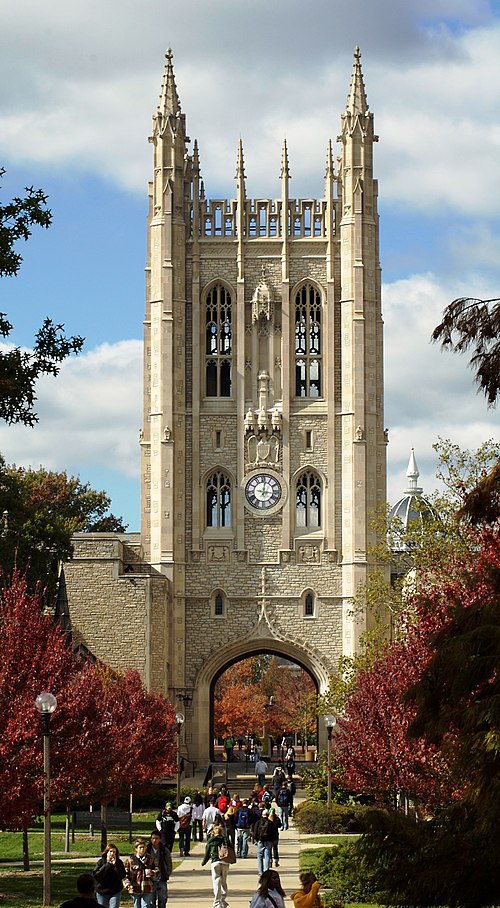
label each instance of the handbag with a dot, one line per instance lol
(227, 853)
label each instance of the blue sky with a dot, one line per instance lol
(79, 84)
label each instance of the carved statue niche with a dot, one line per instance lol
(262, 301)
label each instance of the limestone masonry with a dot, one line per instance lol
(263, 450)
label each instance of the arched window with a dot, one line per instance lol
(218, 500)
(218, 605)
(218, 342)
(308, 342)
(309, 610)
(308, 501)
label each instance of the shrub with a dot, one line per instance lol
(349, 878)
(315, 816)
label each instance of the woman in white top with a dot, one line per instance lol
(270, 893)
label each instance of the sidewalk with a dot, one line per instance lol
(191, 884)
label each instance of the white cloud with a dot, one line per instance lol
(80, 81)
(89, 415)
(429, 393)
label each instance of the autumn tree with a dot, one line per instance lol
(20, 369)
(453, 858)
(107, 732)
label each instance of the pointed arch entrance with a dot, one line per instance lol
(270, 699)
(202, 722)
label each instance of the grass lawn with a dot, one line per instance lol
(330, 839)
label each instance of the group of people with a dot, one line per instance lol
(229, 825)
(269, 893)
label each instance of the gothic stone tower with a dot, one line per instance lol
(263, 450)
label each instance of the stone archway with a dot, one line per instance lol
(200, 722)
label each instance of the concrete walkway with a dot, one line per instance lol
(191, 884)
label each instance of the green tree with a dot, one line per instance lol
(20, 369)
(474, 324)
(44, 509)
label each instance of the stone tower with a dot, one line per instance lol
(263, 452)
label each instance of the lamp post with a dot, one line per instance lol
(46, 704)
(330, 722)
(179, 718)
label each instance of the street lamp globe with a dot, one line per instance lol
(46, 703)
(330, 721)
(179, 718)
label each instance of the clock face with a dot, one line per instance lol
(263, 491)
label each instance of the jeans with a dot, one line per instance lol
(219, 882)
(284, 816)
(160, 894)
(184, 840)
(197, 831)
(263, 857)
(142, 899)
(242, 843)
(109, 901)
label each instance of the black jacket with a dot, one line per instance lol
(109, 877)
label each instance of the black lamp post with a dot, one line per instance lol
(179, 718)
(46, 704)
(330, 722)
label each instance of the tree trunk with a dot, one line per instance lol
(104, 824)
(26, 856)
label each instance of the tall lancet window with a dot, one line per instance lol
(218, 500)
(218, 342)
(308, 342)
(308, 501)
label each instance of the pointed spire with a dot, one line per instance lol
(285, 170)
(412, 475)
(329, 161)
(169, 99)
(356, 99)
(240, 168)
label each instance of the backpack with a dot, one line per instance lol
(263, 829)
(185, 820)
(222, 803)
(283, 797)
(243, 818)
(267, 797)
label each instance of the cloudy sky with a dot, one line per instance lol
(80, 81)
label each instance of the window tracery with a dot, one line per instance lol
(218, 342)
(308, 365)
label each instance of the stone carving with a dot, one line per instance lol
(309, 554)
(262, 450)
(359, 433)
(167, 433)
(218, 553)
(262, 301)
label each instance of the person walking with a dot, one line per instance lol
(163, 860)
(109, 873)
(260, 771)
(261, 836)
(184, 812)
(211, 815)
(243, 823)
(166, 823)
(274, 834)
(141, 871)
(284, 801)
(270, 892)
(197, 817)
(219, 869)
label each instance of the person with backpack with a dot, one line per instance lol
(284, 801)
(218, 867)
(223, 801)
(262, 833)
(243, 823)
(184, 812)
